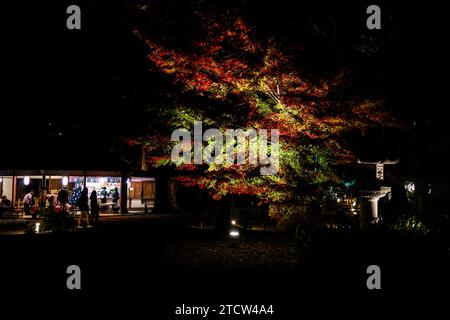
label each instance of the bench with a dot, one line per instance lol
(11, 211)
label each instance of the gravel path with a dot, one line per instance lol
(254, 254)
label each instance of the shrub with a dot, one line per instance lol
(54, 220)
(412, 224)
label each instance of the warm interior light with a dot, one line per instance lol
(338, 199)
(36, 227)
(26, 181)
(354, 204)
(233, 222)
(65, 181)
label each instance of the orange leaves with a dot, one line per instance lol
(261, 87)
(293, 85)
(186, 181)
(202, 71)
(186, 167)
(319, 92)
(221, 34)
(217, 196)
(200, 81)
(133, 142)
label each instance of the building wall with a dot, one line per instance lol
(7, 187)
(144, 190)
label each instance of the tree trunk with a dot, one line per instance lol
(421, 191)
(162, 199)
(223, 211)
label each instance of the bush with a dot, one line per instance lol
(412, 224)
(54, 220)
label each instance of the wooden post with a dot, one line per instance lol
(144, 165)
(123, 193)
(14, 191)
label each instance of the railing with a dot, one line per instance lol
(11, 212)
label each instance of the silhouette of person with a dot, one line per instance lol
(4, 204)
(95, 208)
(115, 195)
(103, 195)
(83, 205)
(51, 201)
(28, 202)
(63, 198)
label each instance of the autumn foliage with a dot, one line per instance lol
(252, 83)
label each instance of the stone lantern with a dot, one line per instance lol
(372, 192)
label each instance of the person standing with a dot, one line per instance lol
(43, 198)
(28, 202)
(83, 205)
(51, 201)
(63, 198)
(95, 208)
(103, 195)
(115, 195)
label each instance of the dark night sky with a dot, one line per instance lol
(80, 90)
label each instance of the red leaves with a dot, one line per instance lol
(186, 181)
(133, 142)
(187, 167)
(274, 93)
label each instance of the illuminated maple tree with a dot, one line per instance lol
(251, 83)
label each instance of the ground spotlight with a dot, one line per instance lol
(234, 233)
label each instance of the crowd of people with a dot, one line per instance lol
(63, 201)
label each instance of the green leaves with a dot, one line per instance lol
(56, 221)
(234, 80)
